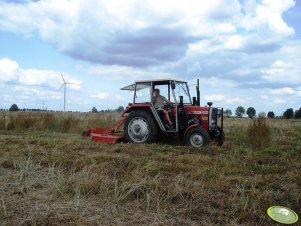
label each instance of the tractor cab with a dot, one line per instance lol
(144, 122)
(175, 92)
(171, 89)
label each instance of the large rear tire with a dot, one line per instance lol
(197, 137)
(141, 127)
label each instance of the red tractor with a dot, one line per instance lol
(141, 122)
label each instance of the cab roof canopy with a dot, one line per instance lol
(142, 84)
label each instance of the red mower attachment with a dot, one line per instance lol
(107, 135)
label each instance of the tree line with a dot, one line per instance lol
(119, 110)
(239, 112)
(14, 107)
(251, 113)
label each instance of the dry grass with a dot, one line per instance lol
(54, 122)
(51, 178)
(259, 133)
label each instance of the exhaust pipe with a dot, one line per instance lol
(198, 93)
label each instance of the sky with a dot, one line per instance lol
(245, 52)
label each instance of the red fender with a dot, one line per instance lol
(189, 127)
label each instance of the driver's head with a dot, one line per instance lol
(156, 92)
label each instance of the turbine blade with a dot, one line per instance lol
(62, 86)
(63, 77)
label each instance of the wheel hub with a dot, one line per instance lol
(138, 130)
(196, 140)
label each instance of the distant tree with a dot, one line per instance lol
(14, 107)
(228, 112)
(94, 110)
(289, 113)
(262, 115)
(240, 111)
(251, 112)
(120, 109)
(298, 114)
(271, 114)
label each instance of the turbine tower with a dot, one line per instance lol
(65, 89)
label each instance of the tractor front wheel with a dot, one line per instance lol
(141, 127)
(197, 137)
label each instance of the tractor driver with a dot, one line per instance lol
(159, 102)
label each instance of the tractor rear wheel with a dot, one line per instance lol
(197, 137)
(141, 127)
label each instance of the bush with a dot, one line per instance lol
(271, 114)
(258, 133)
(289, 113)
(14, 107)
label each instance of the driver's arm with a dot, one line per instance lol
(167, 101)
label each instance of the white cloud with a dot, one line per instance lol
(101, 95)
(278, 100)
(47, 77)
(264, 97)
(116, 72)
(119, 98)
(215, 82)
(214, 97)
(235, 100)
(282, 72)
(227, 28)
(234, 42)
(298, 91)
(8, 69)
(268, 13)
(31, 93)
(116, 31)
(283, 91)
(39, 77)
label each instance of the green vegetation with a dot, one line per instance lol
(49, 175)
(271, 114)
(228, 112)
(240, 111)
(298, 114)
(94, 110)
(289, 113)
(14, 107)
(251, 112)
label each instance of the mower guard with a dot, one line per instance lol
(107, 135)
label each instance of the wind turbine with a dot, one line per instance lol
(65, 89)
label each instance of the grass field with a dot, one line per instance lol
(49, 175)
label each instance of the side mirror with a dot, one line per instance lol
(209, 104)
(172, 85)
(181, 101)
(194, 101)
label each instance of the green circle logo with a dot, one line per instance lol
(282, 214)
